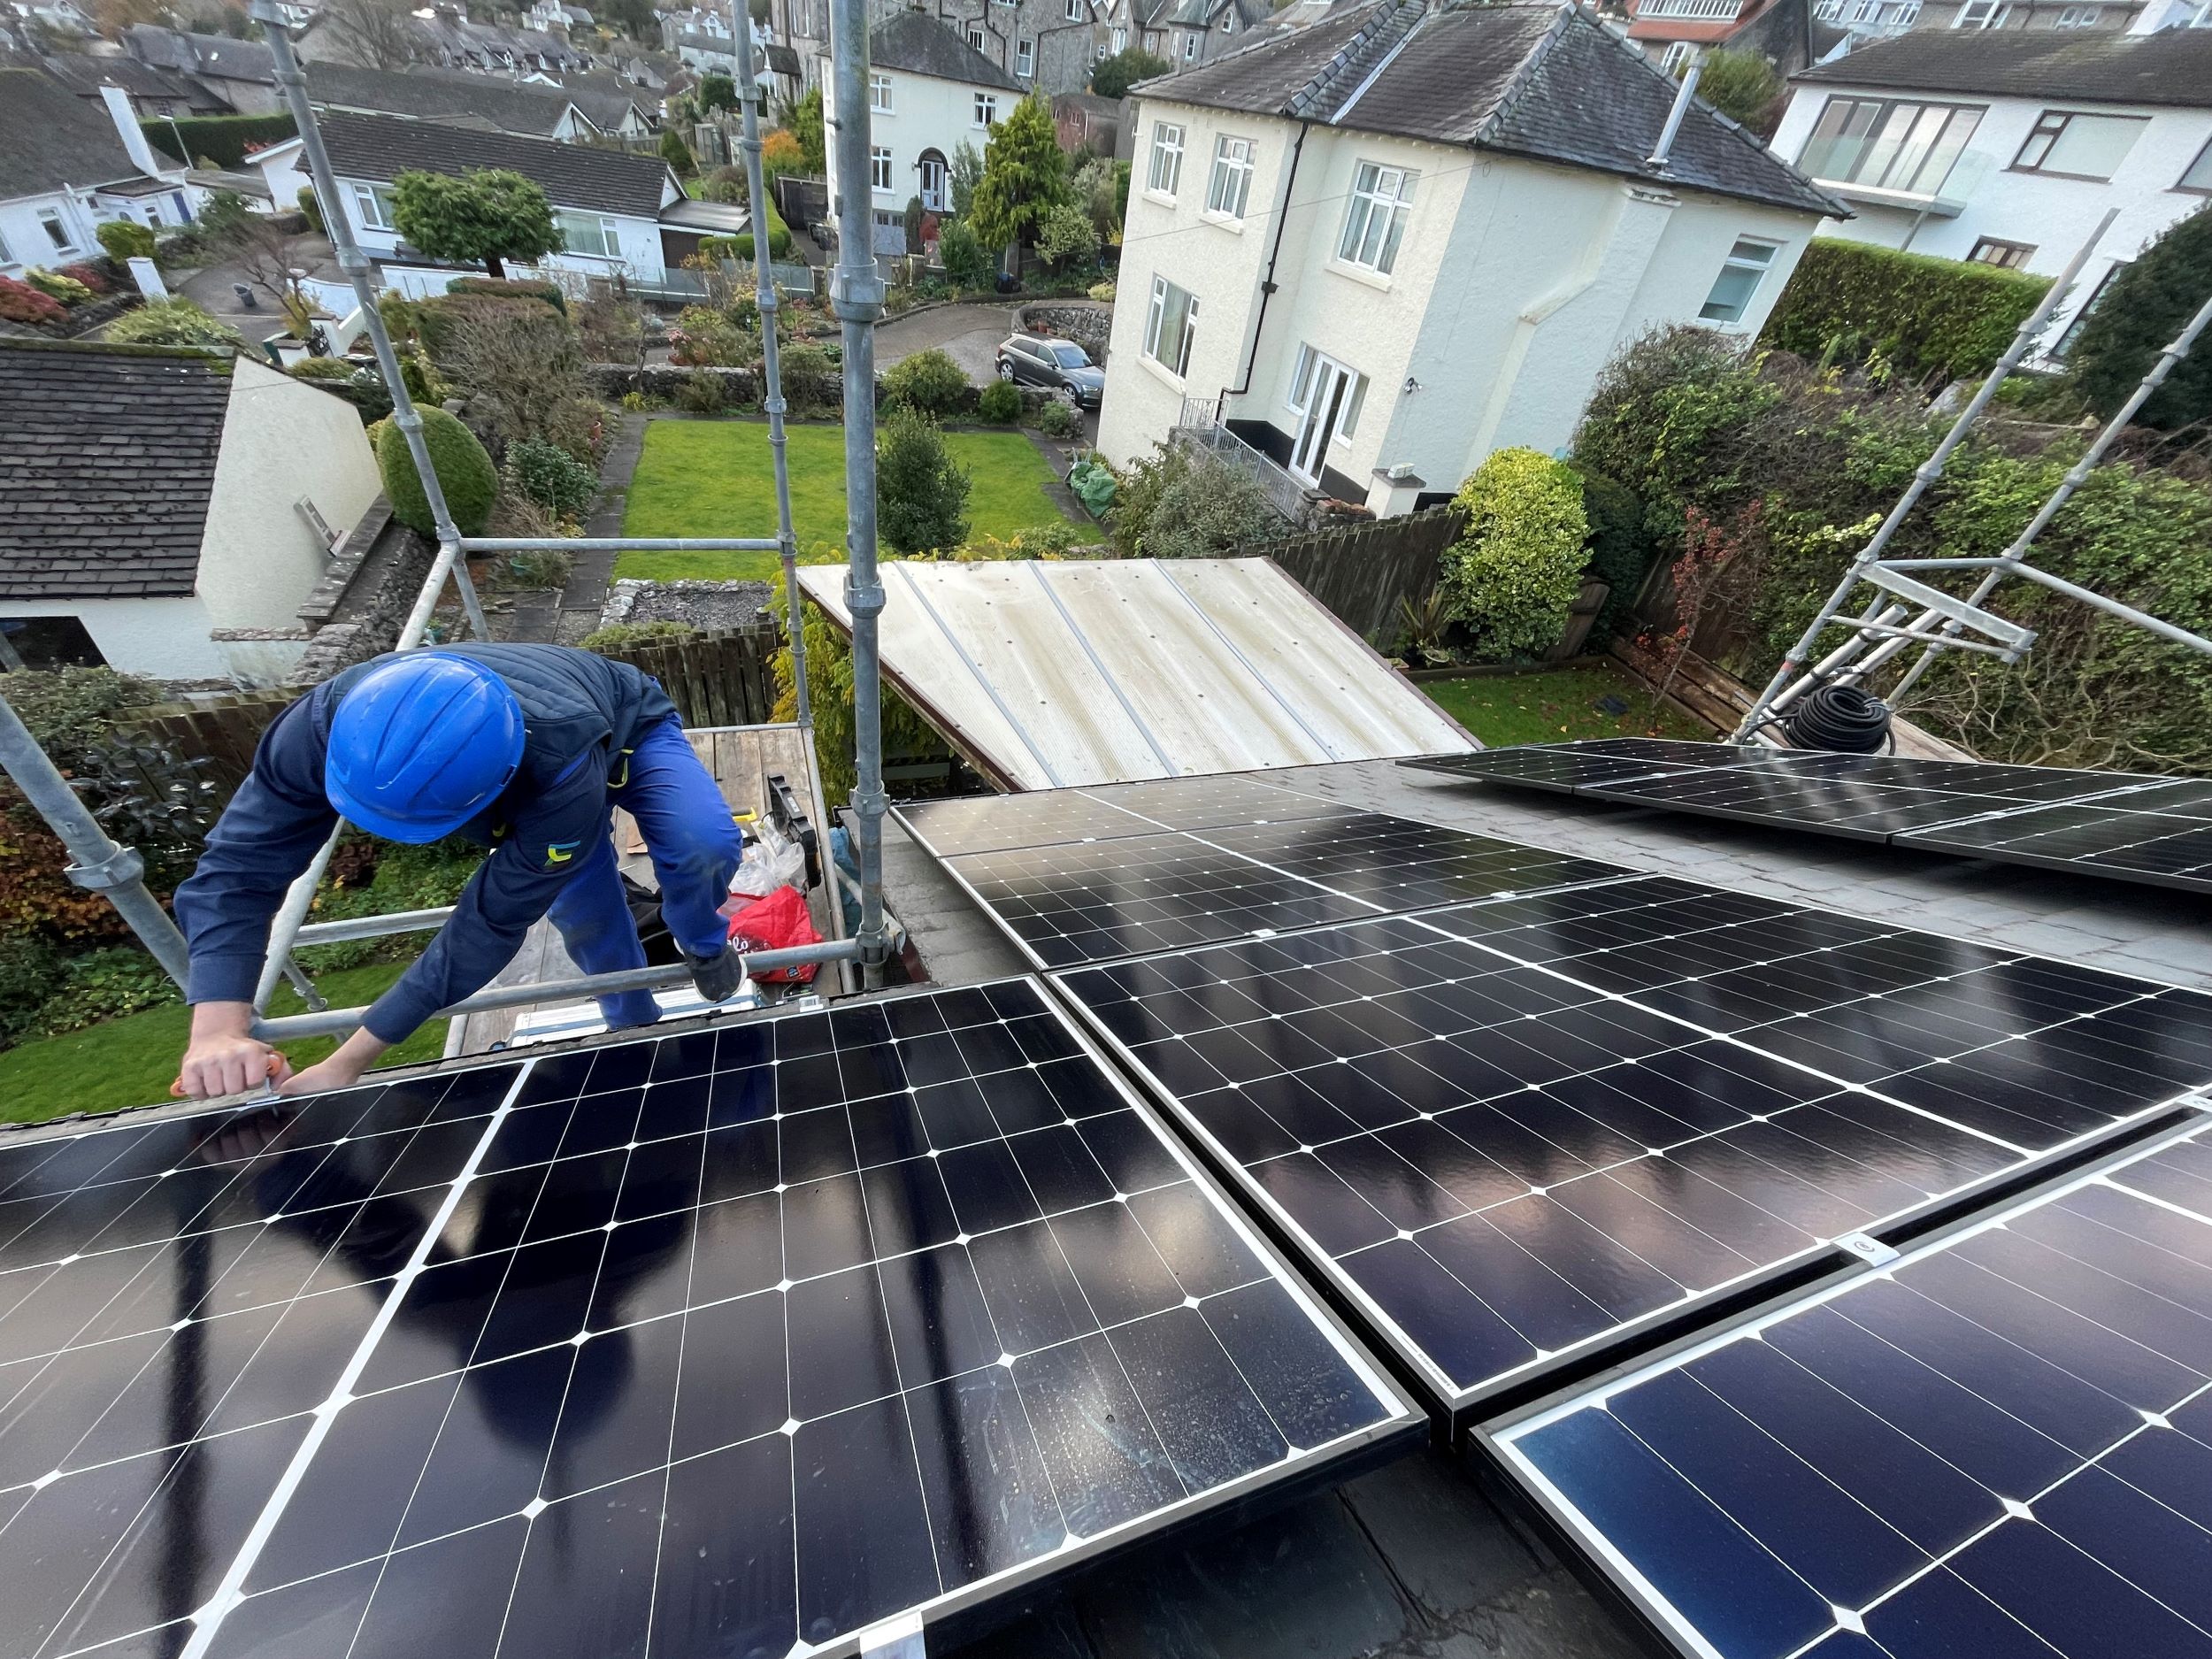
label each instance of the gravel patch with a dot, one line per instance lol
(702, 604)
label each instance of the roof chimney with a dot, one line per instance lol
(1656, 161)
(127, 129)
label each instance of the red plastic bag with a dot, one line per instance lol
(776, 923)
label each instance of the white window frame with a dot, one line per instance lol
(598, 234)
(1190, 46)
(1300, 392)
(1025, 59)
(1747, 255)
(1178, 362)
(879, 94)
(1378, 189)
(975, 37)
(1121, 39)
(1677, 55)
(1229, 187)
(1077, 11)
(1981, 14)
(372, 206)
(879, 169)
(1163, 174)
(2079, 17)
(57, 229)
(986, 109)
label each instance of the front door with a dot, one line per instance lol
(1323, 414)
(936, 185)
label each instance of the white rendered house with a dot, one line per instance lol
(72, 165)
(1379, 247)
(157, 499)
(2009, 146)
(929, 92)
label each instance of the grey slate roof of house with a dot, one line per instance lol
(2173, 67)
(1543, 80)
(920, 44)
(606, 100)
(217, 55)
(513, 106)
(382, 147)
(50, 137)
(84, 74)
(111, 463)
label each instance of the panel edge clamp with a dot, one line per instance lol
(1867, 1248)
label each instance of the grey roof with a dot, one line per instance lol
(513, 106)
(607, 100)
(50, 137)
(110, 462)
(1543, 80)
(2173, 67)
(84, 74)
(920, 45)
(217, 55)
(382, 147)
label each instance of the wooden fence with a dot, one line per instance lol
(1364, 571)
(724, 678)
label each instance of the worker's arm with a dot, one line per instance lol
(511, 890)
(265, 838)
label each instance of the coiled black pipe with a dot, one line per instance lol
(1844, 719)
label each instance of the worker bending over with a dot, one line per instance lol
(523, 749)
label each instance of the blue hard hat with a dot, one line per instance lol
(421, 745)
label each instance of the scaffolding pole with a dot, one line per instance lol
(856, 297)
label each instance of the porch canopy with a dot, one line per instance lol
(1045, 673)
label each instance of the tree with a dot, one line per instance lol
(1742, 86)
(965, 174)
(1115, 75)
(2137, 316)
(492, 215)
(1025, 177)
(717, 91)
(1066, 240)
(633, 18)
(967, 261)
(1102, 193)
(921, 492)
(267, 257)
(677, 154)
(802, 119)
(371, 33)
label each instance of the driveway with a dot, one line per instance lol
(967, 334)
(211, 288)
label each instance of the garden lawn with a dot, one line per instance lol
(701, 478)
(132, 1060)
(1556, 707)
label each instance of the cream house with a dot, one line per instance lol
(158, 500)
(1378, 246)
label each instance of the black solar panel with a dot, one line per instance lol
(1514, 1134)
(2091, 823)
(736, 1341)
(1045, 817)
(1999, 1445)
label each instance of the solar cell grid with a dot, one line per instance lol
(1049, 817)
(1508, 1148)
(734, 1341)
(1999, 1445)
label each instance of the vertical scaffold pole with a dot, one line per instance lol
(856, 297)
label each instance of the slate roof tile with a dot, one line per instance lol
(382, 147)
(2171, 67)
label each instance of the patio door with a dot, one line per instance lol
(1323, 418)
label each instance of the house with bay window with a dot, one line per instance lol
(1372, 249)
(618, 213)
(2009, 146)
(929, 92)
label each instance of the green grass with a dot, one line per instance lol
(1556, 707)
(132, 1060)
(700, 477)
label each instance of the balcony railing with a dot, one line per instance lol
(1201, 430)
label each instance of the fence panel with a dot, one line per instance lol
(1364, 571)
(222, 735)
(725, 677)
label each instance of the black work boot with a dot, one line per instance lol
(718, 976)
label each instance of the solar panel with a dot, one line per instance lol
(1516, 1135)
(1999, 1445)
(739, 1341)
(1045, 817)
(2091, 823)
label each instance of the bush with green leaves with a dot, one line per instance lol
(677, 154)
(1114, 76)
(1920, 317)
(2147, 304)
(465, 471)
(122, 239)
(1743, 84)
(929, 380)
(921, 491)
(312, 209)
(620, 636)
(812, 379)
(1513, 574)
(508, 289)
(55, 286)
(1000, 403)
(1056, 420)
(1620, 549)
(700, 393)
(1175, 505)
(708, 337)
(1066, 239)
(176, 321)
(966, 260)
(548, 475)
(71, 711)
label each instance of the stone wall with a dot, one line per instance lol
(357, 609)
(1087, 324)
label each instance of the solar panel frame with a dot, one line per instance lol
(1460, 1404)
(2135, 1171)
(1045, 817)
(517, 1139)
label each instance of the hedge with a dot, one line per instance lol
(740, 246)
(1931, 318)
(222, 139)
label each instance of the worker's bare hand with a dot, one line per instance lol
(337, 1071)
(227, 1063)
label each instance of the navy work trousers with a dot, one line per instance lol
(694, 847)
